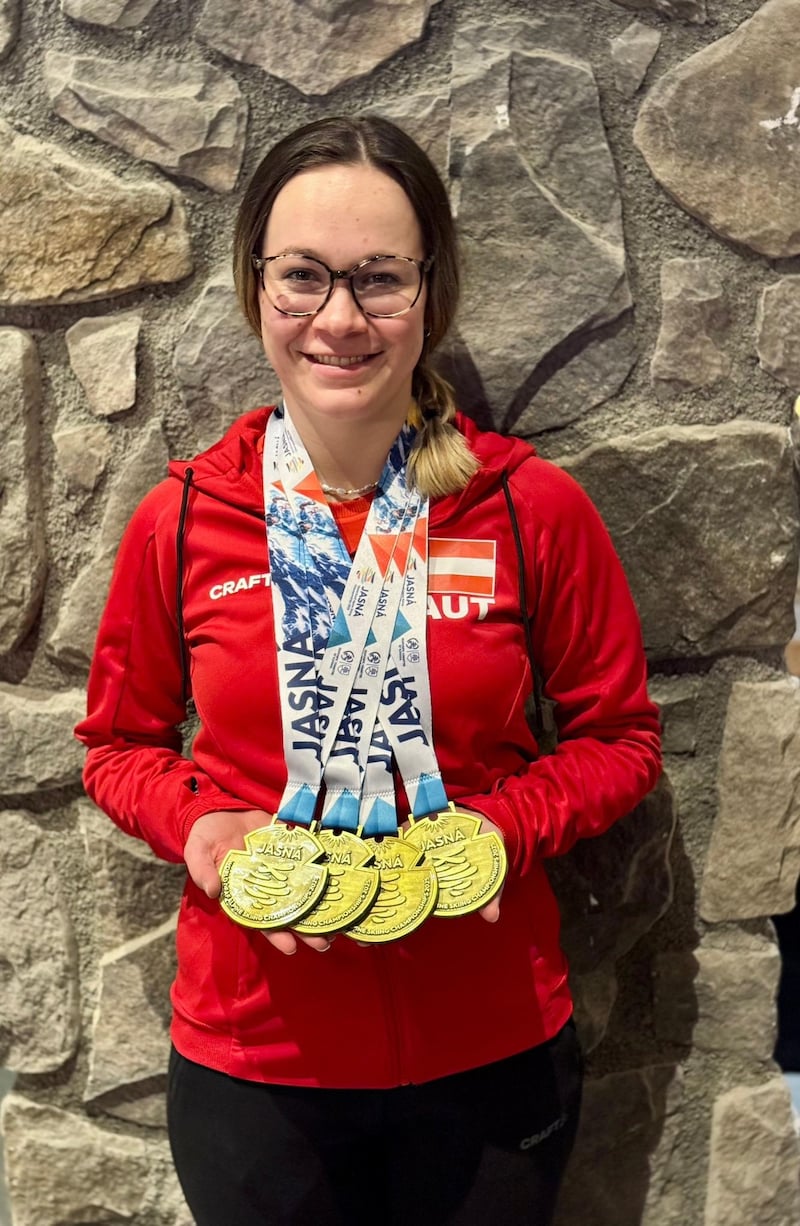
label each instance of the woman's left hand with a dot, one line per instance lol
(491, 912)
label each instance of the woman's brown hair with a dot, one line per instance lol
(441, 462)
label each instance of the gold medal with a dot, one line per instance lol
(407, 893)
(351, 888)
(470, 867)
(276, 880)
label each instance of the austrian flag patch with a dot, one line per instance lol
(461, 567)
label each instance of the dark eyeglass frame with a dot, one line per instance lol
(260, 262)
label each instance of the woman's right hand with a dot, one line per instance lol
(211, 837)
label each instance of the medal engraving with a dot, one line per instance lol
(407, 893)
(351, 888)
(470, 867)
(276, 881)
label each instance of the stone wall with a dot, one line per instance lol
(627, 180)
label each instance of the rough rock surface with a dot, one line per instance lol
(133, 890)
(623, 1155)
(677, 699)
(23, 557)
(632, 53)
(721, 495)
(754, 858)
(38, 956)
(425, 115)
(687, 10)
(332, 41)
(91, 235)
(778, 331)
(755, 1121)
(37, 749)
(694, 323)
(719, 1000)
(721, 133)
(117, 14)
(82, 453)
(9, 25)
(62, 1168)
(540, 221)
(73, 638)
(611, 890)
(190, 119)
(130, 1032)
(102, 353)
(220, 363)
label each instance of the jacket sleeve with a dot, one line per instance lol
(135, 770)
(588, 642)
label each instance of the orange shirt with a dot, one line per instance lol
(350, 519)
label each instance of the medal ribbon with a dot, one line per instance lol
(341, 630)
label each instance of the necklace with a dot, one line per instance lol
(348, 493)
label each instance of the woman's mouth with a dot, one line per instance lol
(333, 359)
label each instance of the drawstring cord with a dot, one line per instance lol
(185, 686)
(539, 730)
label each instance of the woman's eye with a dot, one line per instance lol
(378, 280)
(303, 276)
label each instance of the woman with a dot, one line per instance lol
(434, 1078)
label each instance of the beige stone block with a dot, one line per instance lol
(694, 324)
(37, 749)
(778, 331)
(91, 235)
(332, 41)
(736, 1007)
(72, 639)
(82, 453)
(130, 1030)
(133, 891)
(632, 53)
(102, 353)
(678, 701)
(23, 548)
(116, 14)
(62, 1168)
(754, 857)
(754, 1160)
(189, 118)
(220, 363)
(39, 1001)
(687, 10)
(722, 496)
(9, 25)
(719, 132)
(538, 205)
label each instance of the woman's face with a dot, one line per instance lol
(341, 215)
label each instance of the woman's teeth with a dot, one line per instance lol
(329, 359)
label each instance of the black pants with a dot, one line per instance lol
(482, 1148)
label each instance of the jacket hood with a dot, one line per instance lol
(231, 469)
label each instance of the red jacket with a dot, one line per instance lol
(457, 993)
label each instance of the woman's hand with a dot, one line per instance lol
(211, 837)
(491, 912)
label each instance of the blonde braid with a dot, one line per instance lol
(440, 461)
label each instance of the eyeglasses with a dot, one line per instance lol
(382, 286)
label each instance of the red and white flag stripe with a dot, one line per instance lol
(461, 567)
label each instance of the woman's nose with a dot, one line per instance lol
(341, 312)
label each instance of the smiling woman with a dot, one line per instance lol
(346, 374)
(355, 587)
